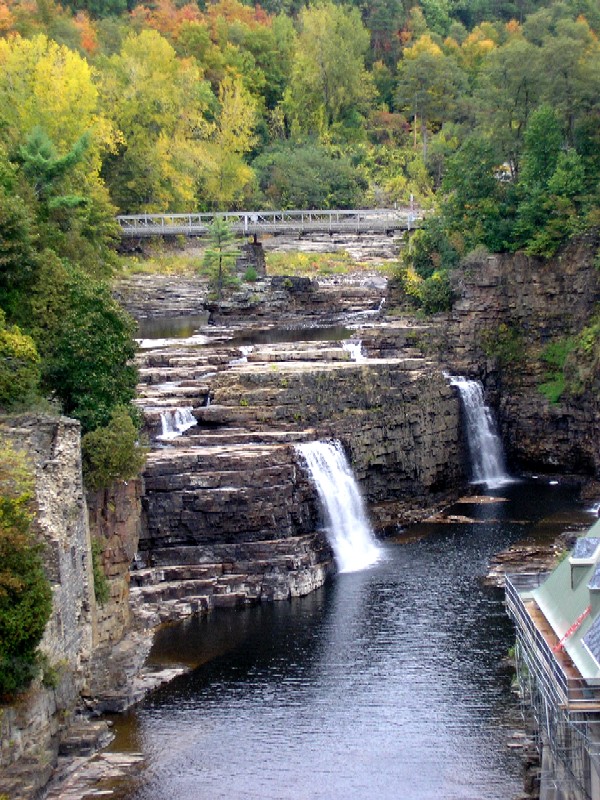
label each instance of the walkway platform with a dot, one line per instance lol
(254, 223)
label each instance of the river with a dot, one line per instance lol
(387, 683)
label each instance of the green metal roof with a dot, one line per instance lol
(564, 598)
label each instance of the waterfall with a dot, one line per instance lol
(485, 446)
(176, 422)
(355, 350)
(245, 351)
(348, 529)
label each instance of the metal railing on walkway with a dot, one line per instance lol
(249, 223)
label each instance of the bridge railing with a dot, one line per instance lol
(257, 222)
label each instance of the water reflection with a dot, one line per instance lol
(172, 327)
(384, 684)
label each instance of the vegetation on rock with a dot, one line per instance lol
(25, 594)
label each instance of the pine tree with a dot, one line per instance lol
(221, 255)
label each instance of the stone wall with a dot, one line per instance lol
(31, 726)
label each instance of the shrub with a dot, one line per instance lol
(436, 293)
(112, 452)
(89, 354)
(19, 367)
(504, 343)
(555, 356)
(251, 275)
(101, 591)
(25, 593)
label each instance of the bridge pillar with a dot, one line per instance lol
(252, 256)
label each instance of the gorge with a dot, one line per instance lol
(227, 516)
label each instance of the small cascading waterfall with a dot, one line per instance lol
(485, 446)
(245, 351)
(354, 348)
(176, 422)
(348, 529)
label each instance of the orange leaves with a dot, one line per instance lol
(87, 31)
(7, 20)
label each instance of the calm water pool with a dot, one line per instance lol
(386, 684)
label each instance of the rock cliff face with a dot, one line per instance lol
(398, 419)
(115, 526)
(507, 308)
(230, 516)
(286, 300)
(533, 301)
(30, 728)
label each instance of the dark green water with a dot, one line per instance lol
(386, 684)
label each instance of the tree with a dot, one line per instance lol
(25, 593)
(571, 72)
(226, 176)
(88, 356)
(477, 202)
(429, 84)
(46, 85)
(308, 176)
(329, 85)
(507, 93)
(112, 452)
(161, 105)
(19, 367)
(18, 259)
(220, 256)
(550, 187)
(544, 139)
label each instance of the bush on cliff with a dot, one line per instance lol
(25, 594)
(112, 452)
(88, 355)
(19, 367)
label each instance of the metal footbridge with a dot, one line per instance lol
(255, 223)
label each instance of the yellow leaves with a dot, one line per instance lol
(238, 117)
(424, 44)
(45, 84)
(180, 161)
(232, 11)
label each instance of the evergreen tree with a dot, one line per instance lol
(220, 256)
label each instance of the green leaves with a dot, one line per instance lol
(25, 594)
(112, 452)
(19, 368)
(88, 356)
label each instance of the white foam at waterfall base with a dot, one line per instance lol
(355, 350)
(485, 446)
(176, 422)
(348, 529)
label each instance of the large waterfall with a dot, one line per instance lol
(485, 446)
(348, 528)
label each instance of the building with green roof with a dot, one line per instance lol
(557, 617)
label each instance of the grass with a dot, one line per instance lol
(160, 261)
(314, 264)
(168, 261)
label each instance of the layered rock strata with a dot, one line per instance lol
(230, 516)
(31, 728)
(507, 308)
